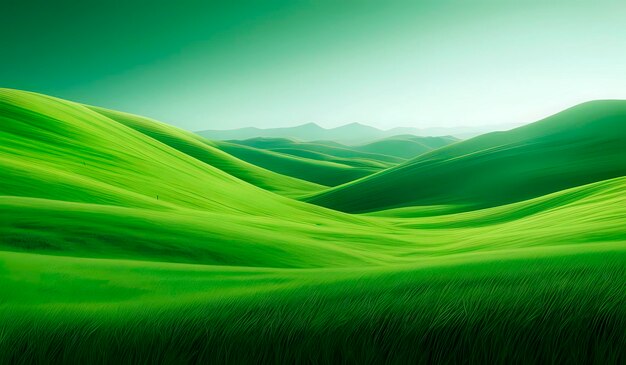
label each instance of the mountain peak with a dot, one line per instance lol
(358, 126)
(309, 125)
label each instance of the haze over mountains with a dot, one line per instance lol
(353, 133)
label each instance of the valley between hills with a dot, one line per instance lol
(122, 237)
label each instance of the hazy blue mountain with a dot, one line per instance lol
(352, 134)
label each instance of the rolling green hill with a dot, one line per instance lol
(583, 144)
(350, 161)
(329, 163)
(405, 146)
(329, 148)
(61, 150)
(125, 240)
(207, 152)
(64, 153)
(328, 172)
(388, 151)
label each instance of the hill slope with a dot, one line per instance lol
(61, 150)
(329, 148)
(406, 146)
(309, 168)
(329, 163)
(88, 173)
(583, 144)
(390, 150)
(207, 152)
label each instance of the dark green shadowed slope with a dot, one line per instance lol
(405, 146)
(583, 144)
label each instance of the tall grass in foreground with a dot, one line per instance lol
(567, 309)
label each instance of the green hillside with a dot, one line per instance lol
(326, 162)
(61, 150)
(583, 144)
(316, 170)
(350, 161)
(329, 148)
(390, 150)
(405, 146)
(207, 152)
(126, 240)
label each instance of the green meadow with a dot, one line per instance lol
(124, 239)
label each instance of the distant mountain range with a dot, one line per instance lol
(353, 133)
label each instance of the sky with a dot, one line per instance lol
(229, 64)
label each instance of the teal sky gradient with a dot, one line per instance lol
(227, 64)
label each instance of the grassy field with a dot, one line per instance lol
(543, 306)
(126, 240)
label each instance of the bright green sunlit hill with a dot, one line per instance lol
(206, 151)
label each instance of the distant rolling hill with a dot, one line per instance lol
(351, 134)
(583, 144)
(316, 169)
(392, 149)
(405, 146)
(328, 148)
(329, 163)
